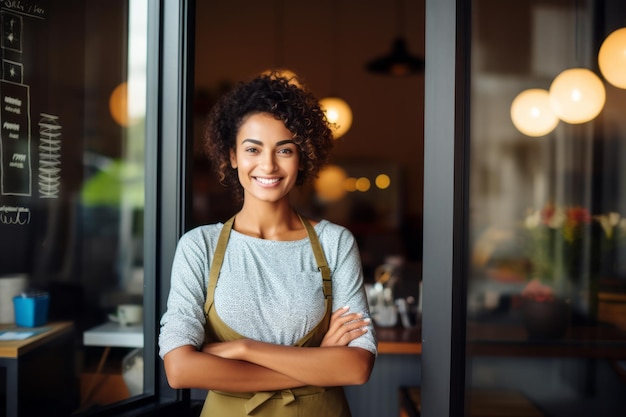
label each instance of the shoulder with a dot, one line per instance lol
(200, 237)
(206, 231)
(326, 226)
(330, 232)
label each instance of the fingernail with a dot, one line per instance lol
(366, 320)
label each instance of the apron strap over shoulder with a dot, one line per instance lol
(216, 263)
(320, 259)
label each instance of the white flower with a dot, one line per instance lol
(609, 221)
(532, 220)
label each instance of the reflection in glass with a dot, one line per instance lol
(546, 300)
(77, 186)
(115, 188)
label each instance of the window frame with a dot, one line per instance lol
(446, 152)
(168, 103)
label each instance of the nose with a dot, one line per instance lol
(269, 162)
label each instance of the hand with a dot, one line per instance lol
(344, 328)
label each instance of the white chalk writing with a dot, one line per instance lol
(14, 215)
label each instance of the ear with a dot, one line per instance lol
(233, 159)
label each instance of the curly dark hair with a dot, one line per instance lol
(286, 100)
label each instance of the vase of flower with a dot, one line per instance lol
(568, 251)
(546, 320)
(556, 239)
(545, 316)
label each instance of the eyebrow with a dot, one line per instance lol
(258, 142)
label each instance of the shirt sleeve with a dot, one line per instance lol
(183, 322)
(347, 275)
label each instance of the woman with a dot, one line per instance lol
(268, 310)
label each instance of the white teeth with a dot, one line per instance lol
(267, 181)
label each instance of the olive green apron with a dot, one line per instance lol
(308, 401)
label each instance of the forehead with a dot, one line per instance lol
(262, 126)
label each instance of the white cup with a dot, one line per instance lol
(127, 314)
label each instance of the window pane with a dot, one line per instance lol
(546, 294)
(72, 198)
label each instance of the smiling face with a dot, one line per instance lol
(266, 158)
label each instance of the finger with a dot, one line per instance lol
(341, 316)
(357, 324)
(350, 318)
(353, 334)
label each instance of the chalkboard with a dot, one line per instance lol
(42, 127)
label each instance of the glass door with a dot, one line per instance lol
(524, 209)
(546, 222)
(81, 239)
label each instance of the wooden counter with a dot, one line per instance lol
(43, 362)
(16, 348)
(400, 341)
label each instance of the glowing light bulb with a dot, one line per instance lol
(577, 95)
(338, 113)
(382, 181)
(329, 184)
(612, 58)
(532, 113)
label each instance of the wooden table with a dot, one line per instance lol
(50, 339)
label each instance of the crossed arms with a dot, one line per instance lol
(247, 365)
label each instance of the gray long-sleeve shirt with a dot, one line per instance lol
(268, 290)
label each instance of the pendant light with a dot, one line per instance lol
(398, 62)
(337, 111)
(330, 183)
(280, 70)
(577, 95)
(612, 58)
(532, 113)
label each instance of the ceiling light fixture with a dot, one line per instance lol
(338, 113)
(577, 95)
(532, 114)
(337, 110)
(399, 62)
(279, 69)
(612, 58)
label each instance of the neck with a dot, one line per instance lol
(269, 221)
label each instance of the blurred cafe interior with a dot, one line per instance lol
(480, 162)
